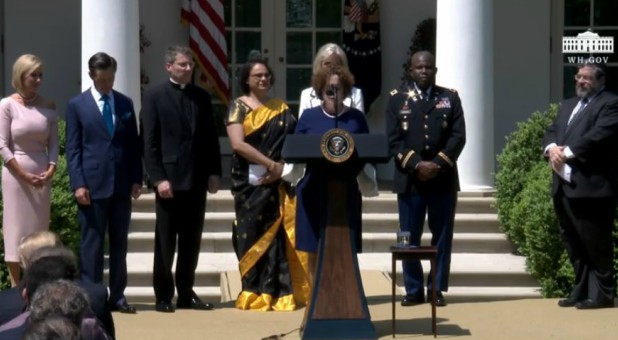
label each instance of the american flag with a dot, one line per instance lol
(207, 41)
(358, 11)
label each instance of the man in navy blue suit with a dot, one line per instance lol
(103, 156)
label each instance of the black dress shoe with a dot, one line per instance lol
(194, 303)
(164, 306)
(124, 307)
(568, 302)
(440, 301)
(593, 304)
(412, 300)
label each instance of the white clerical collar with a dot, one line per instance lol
(182, 86)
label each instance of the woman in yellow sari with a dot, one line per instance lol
(273, 273)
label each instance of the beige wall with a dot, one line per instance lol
(521, 63)
(51, 30)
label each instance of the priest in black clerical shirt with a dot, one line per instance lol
(183, 162)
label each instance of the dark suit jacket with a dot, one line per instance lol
(103, 163)
(179, 148)
(592, 137)
(12, 304)
(432, 130)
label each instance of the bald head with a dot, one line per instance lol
(423, 69)
(423, 55)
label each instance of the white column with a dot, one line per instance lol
(464, 54)
(112, 26)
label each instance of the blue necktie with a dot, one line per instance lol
(107, 114)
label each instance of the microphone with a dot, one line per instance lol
(331, 91)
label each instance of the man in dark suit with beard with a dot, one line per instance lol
(183, 161)
(426, 130)
(581, 148)
(105, 171)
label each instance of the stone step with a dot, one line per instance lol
(462, 242)
(473, 276)
(466, 269)
(479, 294)
(372, 242)
(145, 294)
(372, 222)
(385, 203)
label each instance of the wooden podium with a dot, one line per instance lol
(338, 307)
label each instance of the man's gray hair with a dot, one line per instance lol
(52, 328)
(60, 298)
(172, 51)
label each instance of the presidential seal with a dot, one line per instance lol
(337, 145)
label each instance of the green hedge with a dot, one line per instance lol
(525, 208)
(63, 209)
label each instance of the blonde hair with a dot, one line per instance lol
(326, 51)
(24, 65)
(35, 241)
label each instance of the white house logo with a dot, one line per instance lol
(587, 42)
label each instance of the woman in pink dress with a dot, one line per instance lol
(29, 149)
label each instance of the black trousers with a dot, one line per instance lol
(586, 226)
(179, 219)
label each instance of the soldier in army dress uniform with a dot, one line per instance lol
(426, 131)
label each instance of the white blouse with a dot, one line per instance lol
(309, 99)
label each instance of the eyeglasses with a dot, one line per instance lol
(259, 76)
(583, 78)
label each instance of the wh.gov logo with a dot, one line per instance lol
(587, 42)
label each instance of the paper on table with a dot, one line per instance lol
(256, 172)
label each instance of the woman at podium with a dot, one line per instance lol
(331, 85)
(263, 233)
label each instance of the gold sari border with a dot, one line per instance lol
(257, 118)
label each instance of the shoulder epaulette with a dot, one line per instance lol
(453, 90)
(394, 92)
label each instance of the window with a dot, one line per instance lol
(599, 16)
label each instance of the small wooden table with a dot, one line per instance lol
(415, 253)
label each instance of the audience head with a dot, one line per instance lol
(335, 78)
(60, 298)
(35, 241)
(179, 63)
(102, 70)
(27, 74)
(47, 269)
(255, 74)
(52, 328)
(329, 55)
